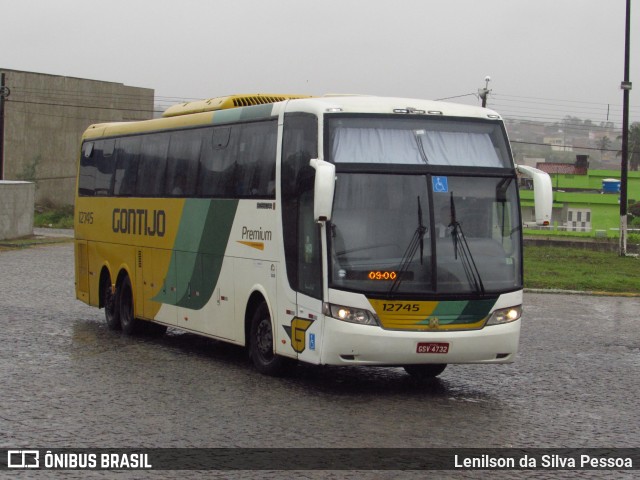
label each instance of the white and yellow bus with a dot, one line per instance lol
(340, 230)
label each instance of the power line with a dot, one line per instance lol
(568, 146)
(69, 105)
(522, 111)
(456, 96)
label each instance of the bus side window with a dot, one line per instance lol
(152, 165)
(127, 158)
(217, 162)
(104, 164)
(87, 175)
(183, 163)
(96, 168)
(256, 165)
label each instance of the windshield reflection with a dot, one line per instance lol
(393, 234)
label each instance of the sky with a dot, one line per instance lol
(546, 58)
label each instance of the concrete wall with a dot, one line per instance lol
(16, 209)
(45, 116)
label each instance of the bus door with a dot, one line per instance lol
(306, 328)
(302, 297)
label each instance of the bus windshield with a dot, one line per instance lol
(387, 235)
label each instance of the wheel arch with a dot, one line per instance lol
(256, 297)
(105, 276)
(124, 272)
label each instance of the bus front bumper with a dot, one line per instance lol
(351, 344)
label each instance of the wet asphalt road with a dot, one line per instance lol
(68, 381)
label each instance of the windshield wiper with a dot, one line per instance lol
(417, 240)
(461, 249)
(417, 135)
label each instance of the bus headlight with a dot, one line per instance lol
(505, 315)
(350, 314)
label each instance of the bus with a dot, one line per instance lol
(335, 230)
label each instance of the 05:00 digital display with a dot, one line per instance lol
(382, 275)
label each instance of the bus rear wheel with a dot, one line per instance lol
(422, 372)
(109, 300)
(128, 320)
(261, 344)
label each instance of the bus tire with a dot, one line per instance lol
(261, 344)
(421, 372)
(126, 311)
(109, 301)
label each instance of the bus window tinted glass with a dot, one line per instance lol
(153, 160)
(87, 175)
(244, 166)
(126, 174)
(96, 168)
(183, 163)
(217, 162)
(105, 163)
(256, 164)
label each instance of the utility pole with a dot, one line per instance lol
(483, 93)
(626, 88)
(4, 93)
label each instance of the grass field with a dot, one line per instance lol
(53, 217)
(566, 268)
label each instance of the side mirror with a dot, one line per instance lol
(542, 193)
(324, 187)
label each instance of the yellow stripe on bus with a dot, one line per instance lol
(256, 245)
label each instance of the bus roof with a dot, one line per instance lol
(223, 103)
(333, 102)
(391, 105)
(201, 112)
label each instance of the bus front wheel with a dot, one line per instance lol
(422, 372)
(261, 344)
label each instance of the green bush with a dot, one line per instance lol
(53, 216)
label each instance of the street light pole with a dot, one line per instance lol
(484, 92)
(4, 92)
(624, 167)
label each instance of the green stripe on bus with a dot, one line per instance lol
(199, 248)
(461, 311)
(258, 112)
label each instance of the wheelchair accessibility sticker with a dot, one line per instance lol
(440, 184)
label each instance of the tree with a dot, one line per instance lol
(604, 144)
(633, 146)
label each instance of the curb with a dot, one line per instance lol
(594, 293)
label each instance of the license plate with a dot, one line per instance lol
(432, 347)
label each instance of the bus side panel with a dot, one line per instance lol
(82, 271)
(253, 244)
(217, 316)
(254, 275)
(223, 320)
(153, 288)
